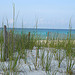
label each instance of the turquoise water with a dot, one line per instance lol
(53, 33)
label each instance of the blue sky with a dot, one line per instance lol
(50, 13)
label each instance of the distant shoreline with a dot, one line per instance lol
(39, 28)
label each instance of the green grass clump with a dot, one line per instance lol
(48, 62)
(43, 59)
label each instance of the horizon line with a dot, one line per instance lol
(39, 28)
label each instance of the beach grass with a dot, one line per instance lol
(24, 43)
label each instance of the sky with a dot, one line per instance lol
(51, 14)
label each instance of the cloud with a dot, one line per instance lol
(10, 21)
(41, 21)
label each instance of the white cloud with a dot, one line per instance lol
(10, 21)
(41, 21)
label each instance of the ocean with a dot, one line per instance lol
(42, 33)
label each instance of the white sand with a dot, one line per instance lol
(24, 68)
